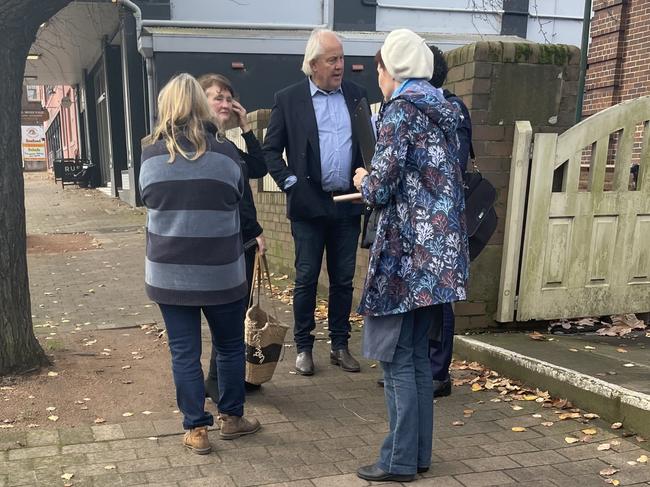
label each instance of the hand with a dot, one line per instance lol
(359, 174)
(261, 244)
(242, 119)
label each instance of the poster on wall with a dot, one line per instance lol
(33, 147)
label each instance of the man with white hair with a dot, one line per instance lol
(311, 120)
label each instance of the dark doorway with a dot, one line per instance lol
(103, 132)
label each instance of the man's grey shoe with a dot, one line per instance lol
(305, 363)
(345, 360)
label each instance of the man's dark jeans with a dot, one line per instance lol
(440, 351)
(338, 237)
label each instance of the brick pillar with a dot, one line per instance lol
(502, 82)
(606, 55)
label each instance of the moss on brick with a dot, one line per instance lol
(523, 52)
(553, 54)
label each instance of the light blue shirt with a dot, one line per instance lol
(334, 136)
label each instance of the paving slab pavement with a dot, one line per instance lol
(316, 430)
(608, 375)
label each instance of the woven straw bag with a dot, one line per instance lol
(263, 332)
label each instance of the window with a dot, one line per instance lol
(32, 93)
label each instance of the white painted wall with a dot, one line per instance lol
(440, 16)
(559, 21)
(309, 12)
(555, 21)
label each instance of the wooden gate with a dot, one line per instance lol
(586, 241)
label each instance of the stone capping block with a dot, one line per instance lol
(524, 52)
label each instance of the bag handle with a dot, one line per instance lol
(262, 276)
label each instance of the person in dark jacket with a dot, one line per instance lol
(191, 183)
(419, 258)
(312, 121)
(224, 104)
(440, 351)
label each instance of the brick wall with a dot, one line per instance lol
(500, 83)
(619, 65)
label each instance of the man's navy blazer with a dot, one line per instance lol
(293, 127)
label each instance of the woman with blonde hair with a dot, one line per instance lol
(191, 183)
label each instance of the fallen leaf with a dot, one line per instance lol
(51, 408)
(617, 426)
(631, 463)
(548, 424)
(517, 408)
(537, 416)
(640, 439)
(468, 412)
(530, 397)
(477, 387)
(536, 336)
(590, 431)
(53, 418)
(606, 472)
(100, 420)
(604, 447)
(518, 429)
(152, 438)
(628, 365)
(372, 366)
(126, 415)
(6, 426)
(621, 350)
(564, 416)
(573, 350)
(67, 476)
(589, 347)
(124, 367)
(52, 374)
(458, 423)
(147, 413)
(110, 467)
(642, 459)
(590, 416)
(571, 440)
(613, 481)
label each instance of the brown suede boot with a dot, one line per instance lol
(196, 440)
(235, 426)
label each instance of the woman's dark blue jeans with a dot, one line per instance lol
(226, 322)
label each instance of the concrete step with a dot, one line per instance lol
(589, 370)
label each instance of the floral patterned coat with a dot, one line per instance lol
(420, 256)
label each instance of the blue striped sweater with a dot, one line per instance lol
(194, 253)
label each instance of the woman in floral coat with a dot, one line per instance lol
(419, 258)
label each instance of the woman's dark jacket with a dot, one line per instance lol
(255, 168)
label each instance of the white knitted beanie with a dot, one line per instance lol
(406, 55)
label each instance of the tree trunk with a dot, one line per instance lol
(19, 349)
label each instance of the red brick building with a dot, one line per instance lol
(62, 129)
(619, 54)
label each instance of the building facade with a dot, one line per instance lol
(619, 65)
(114, 56)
